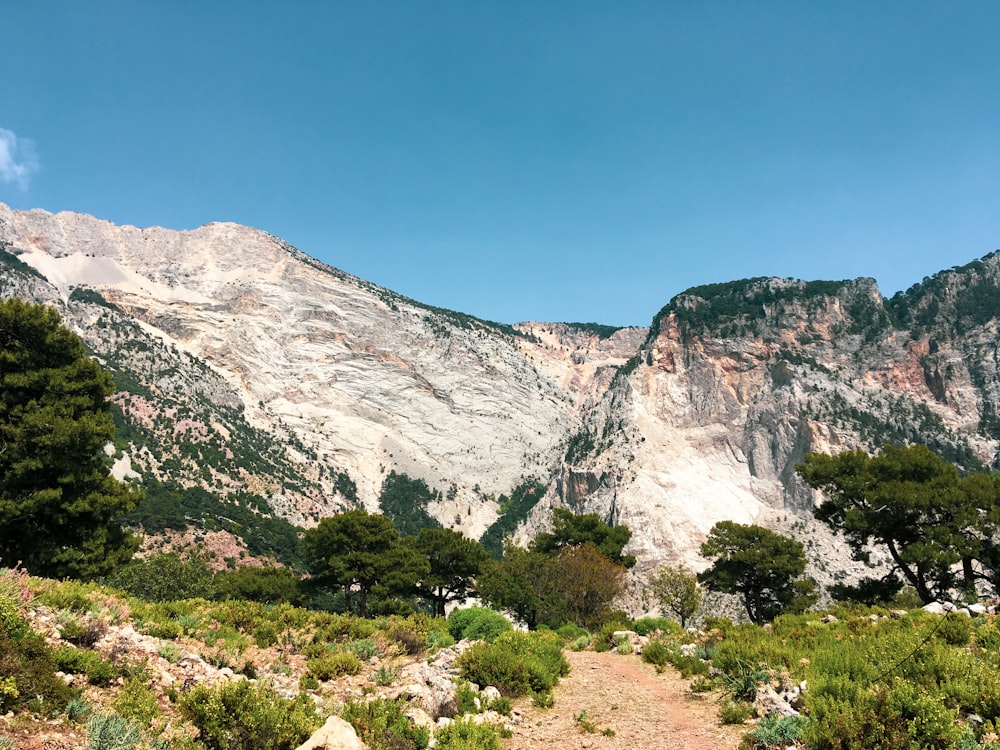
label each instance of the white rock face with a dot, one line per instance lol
(704, 424)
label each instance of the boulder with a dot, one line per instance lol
(335, 734)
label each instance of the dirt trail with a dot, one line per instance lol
(624, 695)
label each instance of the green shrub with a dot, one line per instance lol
(112, 732)
(734, 712)
(774, 733)
(579, 644)
(385, 676)
(334, 665)
(467, 735)
(136, 700)
(381, 725)
(516, 663)
(647, 625)
(90, 663)
(742, 681)
(28, 662)
(248, 717)
(570, 632)
(955, 629)
(657, 653)
(165, 577)
(604, 637)
(477, 624)
(265, 635)
(364, 648)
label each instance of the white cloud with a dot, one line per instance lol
(18, 161)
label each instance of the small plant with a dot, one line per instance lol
(247, 716)
(169, 651)
(385, 676)
(701, 684)
(136, 701)
(544, 700)
(774, 733)
(334, 665)
(955, 629)
(77, 708)
(743, 681)
(584, 722)
(365, 648)
(112, 732)
(579, 644)
(467, 735)
(734, 712)
(625, 647)
(381, 725)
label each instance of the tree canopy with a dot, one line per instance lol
(677, 592)
(914, 504)
(454, 560)
(572, 530)
(59, 505)
(759, 565)
(358, 550)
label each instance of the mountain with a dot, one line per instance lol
(259, 387)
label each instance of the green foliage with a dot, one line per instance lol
(334, 665)
(90, 663)
(259, 584)
(60, 509)
(167, 505)
(735, 712)
(955, 629)
(647, 625)
(477, 624)
(136, 700)
(756, 563)
(917, 507)
(454, 561)
(356, 550)
(573, 530)
(112, 732)
(676, 590)
(243, 716)
(27, 661)
(466, 734)
(405, 501)
(579, 447)
(516, 663)
(382, 725)
(513, 510)
(601, 331)
(525, 583)
(90, 296)
(165, 577)
(774, 733)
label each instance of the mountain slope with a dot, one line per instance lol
(282, 387)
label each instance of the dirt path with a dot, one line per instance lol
(624, 695)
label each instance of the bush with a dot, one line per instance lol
(774, 733)
(90, 663)
(165, 577)
(381, 725)
(239, 715)
(334, 665)
(467, 735)
(516, 663)
(28, 662)
(647, 625)
(955, 629)
(477, 624)
(136, 700)
(734, 712)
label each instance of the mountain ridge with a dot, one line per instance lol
(249, 367)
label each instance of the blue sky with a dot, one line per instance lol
(580, 161)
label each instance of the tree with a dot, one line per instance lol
(165, 577)
(454, 560)
(358, 550)
(570, 530)
(915, 505)
(676, 590)
(757, 564)
(525, 583)
(405, 500)
(589, 583)
(60, 508)
(259, 584)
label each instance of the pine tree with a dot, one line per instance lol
(59, 505)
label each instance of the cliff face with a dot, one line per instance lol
(245, 366)
(736, 382)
